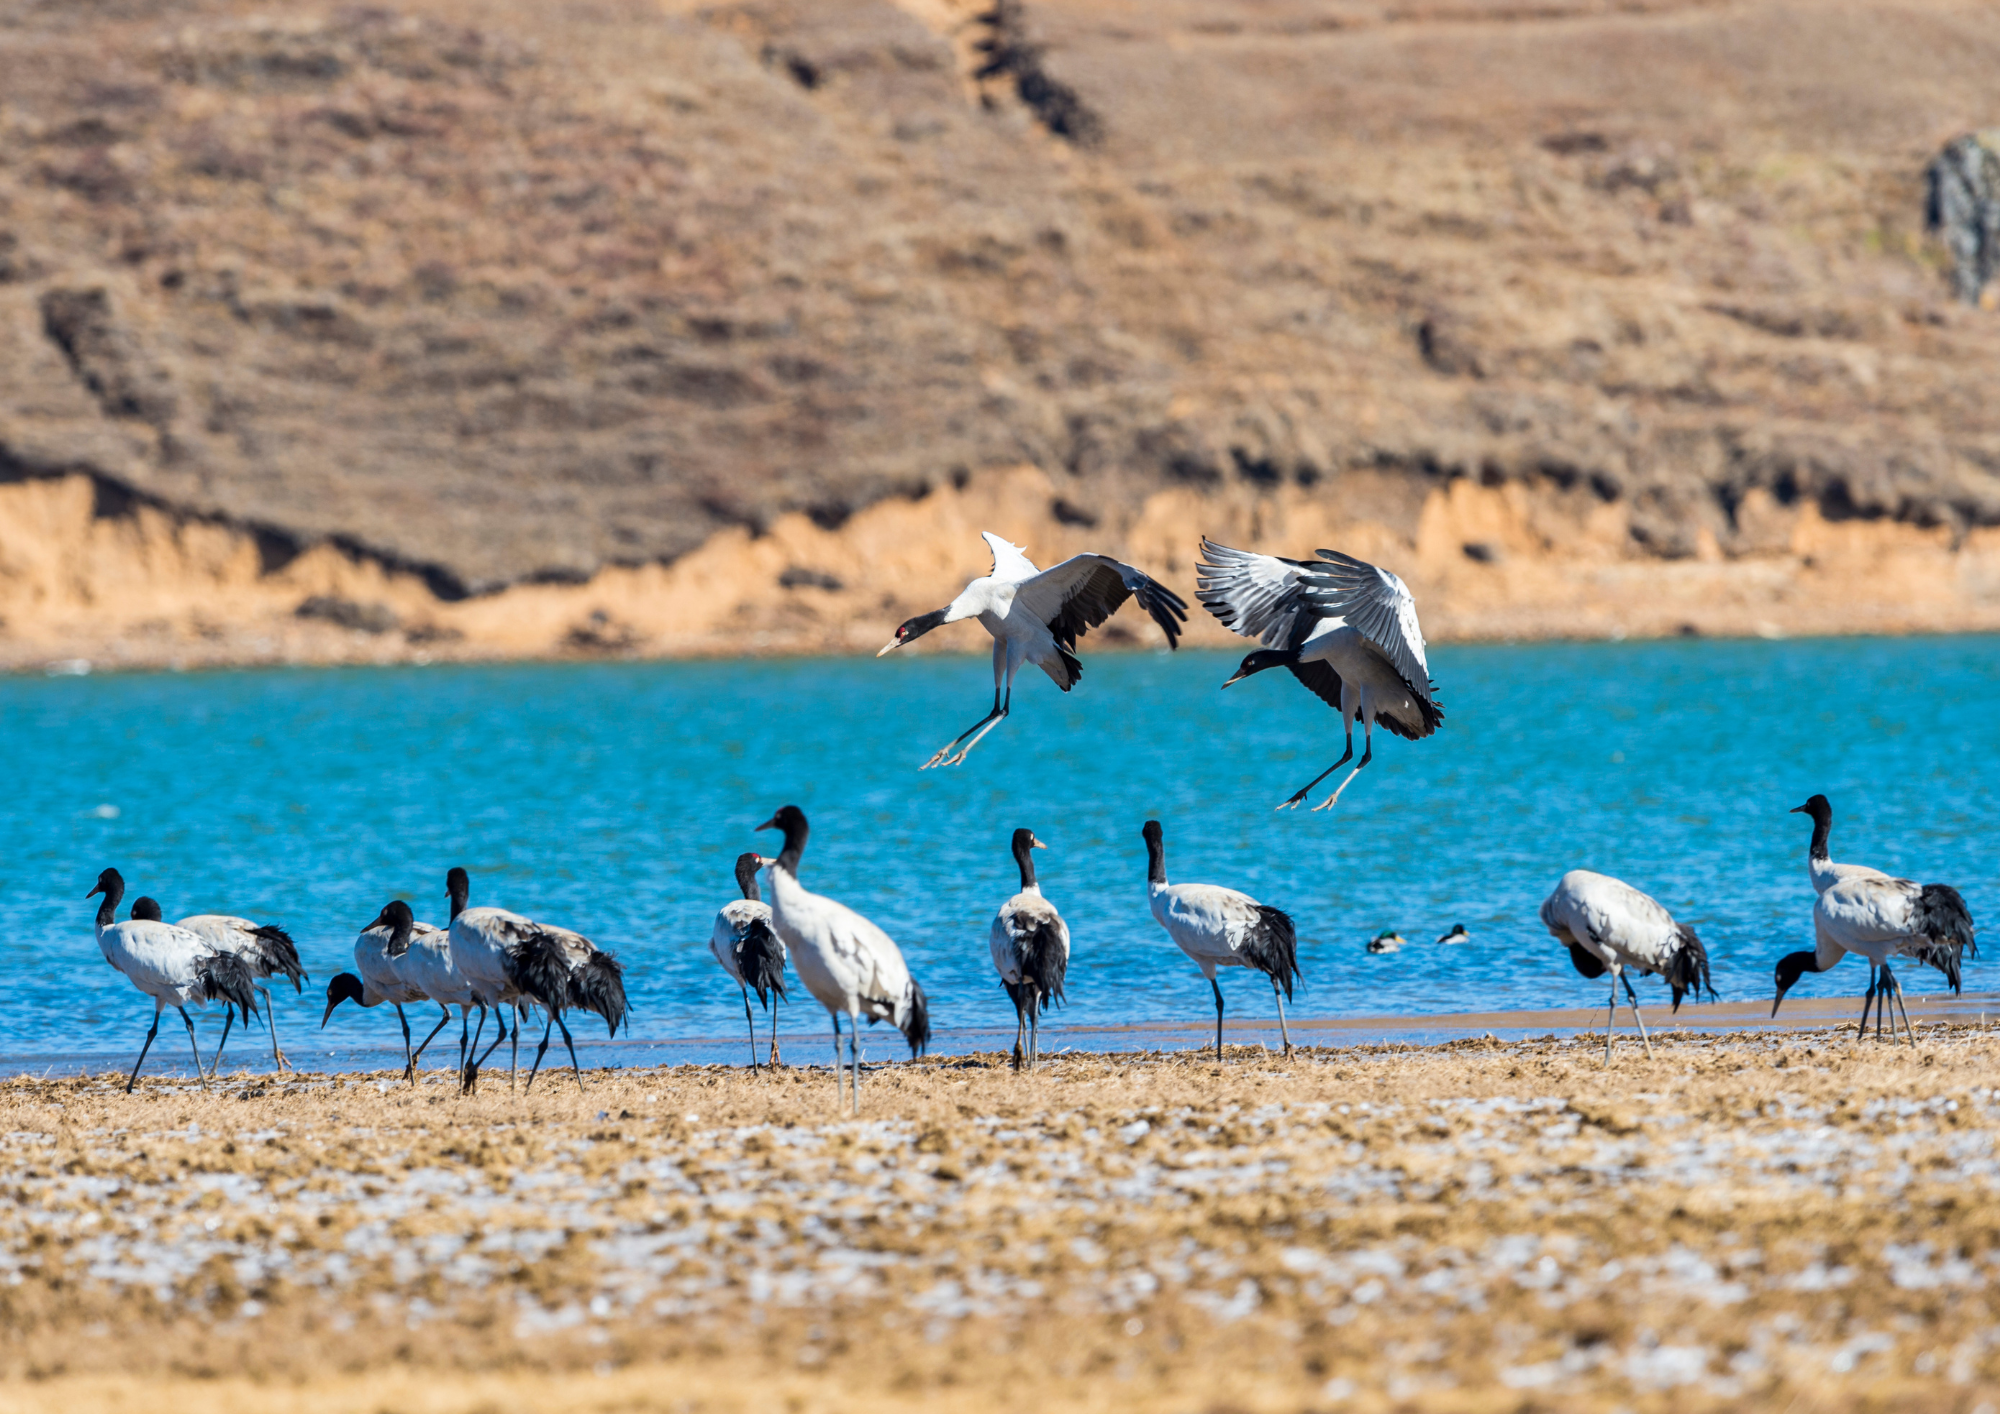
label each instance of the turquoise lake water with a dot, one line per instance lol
(613, 798)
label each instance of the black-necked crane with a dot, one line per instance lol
(1608, 925)
(1218, 927)
(849, 965)
(1347, 630)
(1036, 616)
(747, 948)
(380, 950)
(1030, 946)
(268, 951)
(171, 965)
(485, 946)
(1862, 910)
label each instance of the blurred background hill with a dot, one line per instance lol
(456, 328)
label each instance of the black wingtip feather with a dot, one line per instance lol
(1273, 947)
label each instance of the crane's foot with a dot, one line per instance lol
(1295, 802)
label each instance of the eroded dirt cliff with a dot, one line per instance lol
(507, 328)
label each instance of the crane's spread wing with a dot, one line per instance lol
(1085, 590)
(1010, 561)
(1257, 596)
(1378, 606)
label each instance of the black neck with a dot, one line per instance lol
(1024, 855)
(1822, 829)
(795, 845)
(107, 912)
(1156, 859)
(746, 877)
(461, 889)
(399, 936)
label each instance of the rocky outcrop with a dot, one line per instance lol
(489, 301)
(1962, 206)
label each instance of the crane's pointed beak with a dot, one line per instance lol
(890, 647)
(95, 892)
(1034, 843)
(1796, 810)
(770, 824)
(1774, 1003)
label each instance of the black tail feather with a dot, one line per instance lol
(539, 970)
(224, 977)
(279, 955)
(1687, 970)
(1273, 947)
(1043, 960)
(760, 961)
(916, 1024)
(599, 986)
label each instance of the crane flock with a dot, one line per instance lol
(1346, 630)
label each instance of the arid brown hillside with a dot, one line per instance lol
(496, 293)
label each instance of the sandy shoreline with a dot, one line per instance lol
(1744, 1221)
(805, 1041)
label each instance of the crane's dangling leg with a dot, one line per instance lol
(1001, 679)
(151, 1032)
(1367, 755)
(444, 1020)
(750, 1022)
(188, 1021)
(1298, 797)
(1216, 987)
(1278, 996)
(1633, 998)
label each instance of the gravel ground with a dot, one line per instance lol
(1740, 1222)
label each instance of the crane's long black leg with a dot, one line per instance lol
(188, 1022)
(1632, 997)
(514, 1052)
(1216, 987)
(409, 1060)
(773, 1004)
(854, 1055)
(1611, 1019)
(151, 1032)
(467, 1071)
(464, 1018)
(540, 1051)
(1867, 1001)
(1306, 789)
(1367, 755)
(499, 1020)
(1277, 995)
(750, 1022)
(443, 1021)
(278, 1057)
(839, 1080)
(1908, 1031)
(570, 1046)
(228, 1020)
